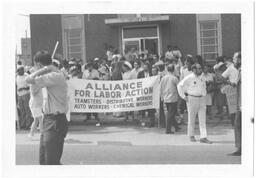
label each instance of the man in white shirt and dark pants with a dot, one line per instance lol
(193, 89)
(23, 95)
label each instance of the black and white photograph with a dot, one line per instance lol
(129, 92)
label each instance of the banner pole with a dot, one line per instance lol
(55, 48)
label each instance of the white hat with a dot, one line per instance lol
(96, 59)
(72, 69)
(71, 62)
(56, 61)
(128, 64)
(114, 56)
(159, 63)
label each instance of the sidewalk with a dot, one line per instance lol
(120, 132)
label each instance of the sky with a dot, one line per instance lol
(22, 24)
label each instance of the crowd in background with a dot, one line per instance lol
(132, 65)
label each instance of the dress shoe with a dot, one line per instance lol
(177, 129)
(192, 139)
(236, 153)
(205, 140)
(169, 132)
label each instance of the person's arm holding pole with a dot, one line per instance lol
(55, 48)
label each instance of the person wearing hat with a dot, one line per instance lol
(127, 68)
(56, 63)
(23, 98)
(91, 74)
(127, 75)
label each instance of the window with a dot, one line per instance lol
(73, 36)
(209, 37)
(141, 38)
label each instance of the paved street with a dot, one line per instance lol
(120, 142)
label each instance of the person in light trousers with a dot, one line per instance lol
(193, 89)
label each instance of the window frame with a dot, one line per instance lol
(65, 45)
(123, 40)
(206, 18)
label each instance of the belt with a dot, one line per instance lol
(53, 114)
(199, 96)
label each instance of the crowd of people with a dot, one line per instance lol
(189, 85)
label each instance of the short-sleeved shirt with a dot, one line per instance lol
(21, 84)
(91, 75)
(168, 88)
(192, 85)
(56, 87)
(127, 75)
(231, 73)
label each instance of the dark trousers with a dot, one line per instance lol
(55, 129)
(182, 105)
(151, 115)
(25, 117)
(88, 116)
(238, 130)
(170, 120)
(162, 115)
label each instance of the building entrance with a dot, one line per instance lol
(141, 39)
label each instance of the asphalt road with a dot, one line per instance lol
(113, 154)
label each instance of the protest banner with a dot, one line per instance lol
(231, 95)
(114, 96)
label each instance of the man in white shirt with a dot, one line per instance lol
(169, 53)
(169, 94)
(193, 89)
(23, 98)
(231, 73)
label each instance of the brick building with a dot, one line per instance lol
(87, 36)
(25, 55)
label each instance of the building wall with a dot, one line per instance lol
(26, 51)
(45, 32)
(181, 32)
(231, 33)
(98, 35)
